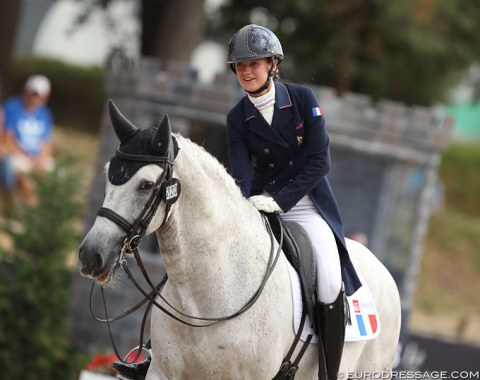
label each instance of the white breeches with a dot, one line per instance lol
(329, 277)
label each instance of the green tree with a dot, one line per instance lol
(406, 50)
(35, 338)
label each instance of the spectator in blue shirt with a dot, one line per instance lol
(28, 126)
(7, 179)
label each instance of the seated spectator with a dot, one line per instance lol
(7, 179)
(29, 127)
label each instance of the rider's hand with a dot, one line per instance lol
(266, 204)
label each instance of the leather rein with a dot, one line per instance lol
(166, 189)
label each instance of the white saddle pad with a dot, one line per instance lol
(363, 313)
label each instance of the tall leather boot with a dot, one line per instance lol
(333, 322)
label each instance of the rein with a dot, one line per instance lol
(166, 189)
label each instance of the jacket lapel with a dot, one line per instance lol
(283, 108)
(281, 116)
(258, 126)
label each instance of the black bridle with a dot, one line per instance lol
(166, 189)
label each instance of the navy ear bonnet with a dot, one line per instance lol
(121, 170)
(139, 142)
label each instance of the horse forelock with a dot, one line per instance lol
(139, 143)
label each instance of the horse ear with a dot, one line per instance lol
(122, 126)
(161, 142)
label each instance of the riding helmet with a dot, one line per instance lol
(253, 42)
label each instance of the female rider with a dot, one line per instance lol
(279, 156)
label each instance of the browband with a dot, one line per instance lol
(143, 158)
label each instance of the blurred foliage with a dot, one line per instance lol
(77, 96)
(35, 336)
(409, 50)
(458, 232)
(451, 264)
(450, 274)
(460, 176)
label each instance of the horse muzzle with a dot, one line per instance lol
(92, 265)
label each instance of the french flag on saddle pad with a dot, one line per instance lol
(367, 328)
(366, 318)
(365, 323)
(317, 111)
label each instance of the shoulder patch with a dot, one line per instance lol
(317, 111)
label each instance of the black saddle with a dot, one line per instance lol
(299, 251)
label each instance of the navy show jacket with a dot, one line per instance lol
(288, 159)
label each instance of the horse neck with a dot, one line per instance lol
(214, 242)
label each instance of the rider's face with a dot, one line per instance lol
(253, 74)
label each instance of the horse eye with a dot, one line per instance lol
(146, 185)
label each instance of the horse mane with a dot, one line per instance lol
(210, 199)
(200, 163)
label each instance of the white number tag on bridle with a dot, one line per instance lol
(171, 191)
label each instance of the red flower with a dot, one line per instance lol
(103, 363)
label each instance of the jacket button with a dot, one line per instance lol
(272, 182)
(290, 163)
(266, 151)
(291, 180)
(271, 165)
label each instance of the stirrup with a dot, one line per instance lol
(133, 370)
(144, 347)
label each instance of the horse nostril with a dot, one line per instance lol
(97, 261)
(92, 262)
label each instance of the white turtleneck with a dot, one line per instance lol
(265, 104)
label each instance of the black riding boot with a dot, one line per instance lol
(333, 323)
(137, 371)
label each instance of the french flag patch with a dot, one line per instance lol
(317, 111)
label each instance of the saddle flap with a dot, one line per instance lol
(299, 251)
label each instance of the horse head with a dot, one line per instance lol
(139, 192)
